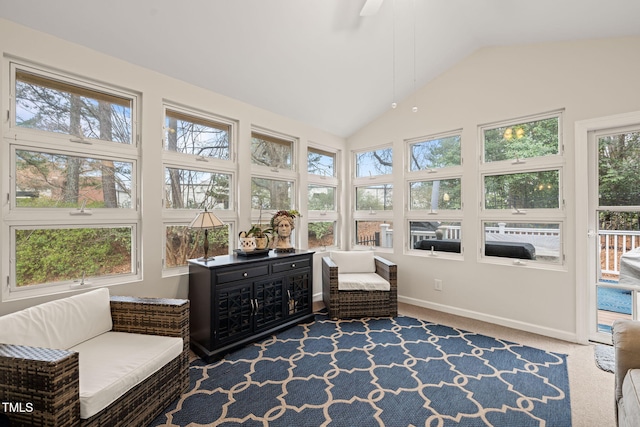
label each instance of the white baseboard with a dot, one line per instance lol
(496, 320)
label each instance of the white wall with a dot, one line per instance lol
(21, 42)
(587, 79)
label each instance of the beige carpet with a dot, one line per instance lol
(591, 388)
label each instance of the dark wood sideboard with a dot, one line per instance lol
(238, 299)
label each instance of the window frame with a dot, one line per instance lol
(29, 139)
(525, 216)
(171, 159)
(383, 216)
(326, 181)
(429, 215)
(277, 174)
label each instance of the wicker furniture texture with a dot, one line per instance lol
(49, 378)
(356, 303)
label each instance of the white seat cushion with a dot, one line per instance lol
(113, 363)
(354, 261)
(59, 324)
(362, 282)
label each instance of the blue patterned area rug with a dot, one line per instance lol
(377, 372)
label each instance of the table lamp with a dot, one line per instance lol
(206, 220)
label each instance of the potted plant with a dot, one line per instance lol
(262, 236)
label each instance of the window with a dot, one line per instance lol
(374, 163)
(192, 189)
(373, 196)
(374, 233)
(322, 202)
(322, 198)
(271, 194)
(42, 181)
(434, 189)
(199, 173)
(272, 151)
(435, 194)
(195, 135)
(522, 190)
(538, 241)
(45, 256)
(435, 236)
(183, 244)
(526, 190)
(73, 216)
(52, 103)
(522, 140)
(321, 162)
(435, 153)
(322, 234)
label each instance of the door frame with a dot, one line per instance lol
(585, 294)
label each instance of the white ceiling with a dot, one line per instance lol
(316, 61)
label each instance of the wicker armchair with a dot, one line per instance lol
(48, 379)
(360, 303)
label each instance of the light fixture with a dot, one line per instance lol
(206, 220)
(394, 104)
(415, 107)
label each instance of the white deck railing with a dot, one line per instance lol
(614, 244)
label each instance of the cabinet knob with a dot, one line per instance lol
(245, 274)
(293, 266)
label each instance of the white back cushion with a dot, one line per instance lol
(354, 261)
(59, 324)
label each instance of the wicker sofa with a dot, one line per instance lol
(353, 285)
(46, 381)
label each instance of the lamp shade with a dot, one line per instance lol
(206, 219)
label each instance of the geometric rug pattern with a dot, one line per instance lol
(377, 372)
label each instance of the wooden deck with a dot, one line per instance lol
(608, 317)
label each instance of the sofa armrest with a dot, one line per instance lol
(41, 383)
(387, 270)
(626, 341)
(153, 316)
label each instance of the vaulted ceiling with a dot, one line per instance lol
(316, 61)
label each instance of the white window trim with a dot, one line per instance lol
(16, 137)
(515, 166)
(183, 217)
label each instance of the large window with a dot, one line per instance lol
(372, 194)
(522, 190)
(199, 173)
(73, 217)
(322, 202)
(434, 191)
(274, 177)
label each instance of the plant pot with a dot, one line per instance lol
(248, 244)
(262, 242)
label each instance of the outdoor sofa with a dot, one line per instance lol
(91, 359)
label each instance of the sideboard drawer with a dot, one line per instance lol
(291, 264)
(232, 275)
